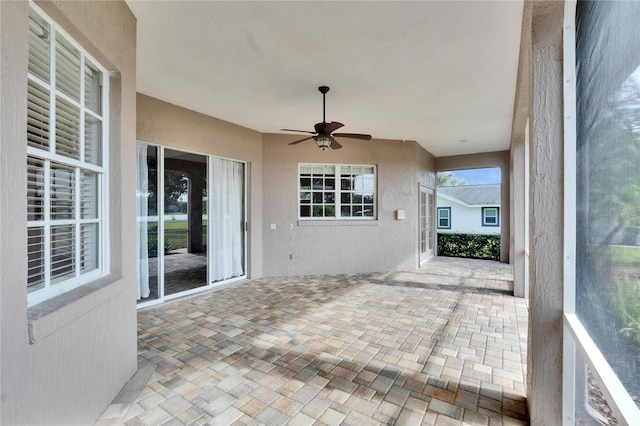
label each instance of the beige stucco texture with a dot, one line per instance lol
(303, 247)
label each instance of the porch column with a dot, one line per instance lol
(518, 218)
(544, 366)
(520, 162)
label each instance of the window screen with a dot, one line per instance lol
(608, 182)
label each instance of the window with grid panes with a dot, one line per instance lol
(66, 110)
(490, 216)
(336, 191)
(444, 217)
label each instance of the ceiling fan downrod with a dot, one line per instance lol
(323, 90)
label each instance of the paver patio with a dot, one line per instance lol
(443, 345)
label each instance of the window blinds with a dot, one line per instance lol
(65, 162)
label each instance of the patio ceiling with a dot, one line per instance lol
(442, 73)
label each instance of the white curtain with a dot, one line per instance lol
(142, 194)
(225, 219)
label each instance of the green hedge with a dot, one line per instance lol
(475, 246)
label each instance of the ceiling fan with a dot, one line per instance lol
(323, 135)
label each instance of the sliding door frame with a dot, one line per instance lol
(161, 231)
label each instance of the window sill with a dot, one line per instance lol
(48, 316)
(357, 222)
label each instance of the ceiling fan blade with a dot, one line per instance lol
(332, 127)
(301, 140)
(334, 143)
(352, 136)
(301, 131)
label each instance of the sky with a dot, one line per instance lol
(479, 176)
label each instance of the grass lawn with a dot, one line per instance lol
(625, 290)
(625, 256)
(175, 233)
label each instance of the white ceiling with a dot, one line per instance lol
(442, 73)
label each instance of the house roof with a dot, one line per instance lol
(442, 73)
(474, 195)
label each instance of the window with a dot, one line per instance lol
(336, 191)
(444, 217)
(490, 216)
(66, 164)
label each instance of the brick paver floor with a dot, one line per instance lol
(444, 345)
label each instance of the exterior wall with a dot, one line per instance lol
(487, 159)
(520, 164)
(467, 219)
(166, 124)
(425, 165)
(63, 361)
(334, 247)
(544, 366)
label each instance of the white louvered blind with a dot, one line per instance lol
(39, 46)
(37, 116)
(66, 171)
(67, 129)
(35, 255)
(67, 68)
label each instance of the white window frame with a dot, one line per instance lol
(484, 216)
(78, 165)
(337, 193)
(575, 336)
(448, 218)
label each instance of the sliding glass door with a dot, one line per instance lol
(227, 220)
(185, 221)
(197, 238)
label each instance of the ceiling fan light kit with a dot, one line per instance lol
(323, 142)
(323, 134)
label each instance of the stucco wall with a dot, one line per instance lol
(332, 247)
(488, 159)
(546, 217)
(63, 361)
(425, 166)
(172, 126)
(520, 162)
(467, 219)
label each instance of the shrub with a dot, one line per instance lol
(152, 246)
(475, 246)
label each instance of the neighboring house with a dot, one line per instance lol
(469, 209)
